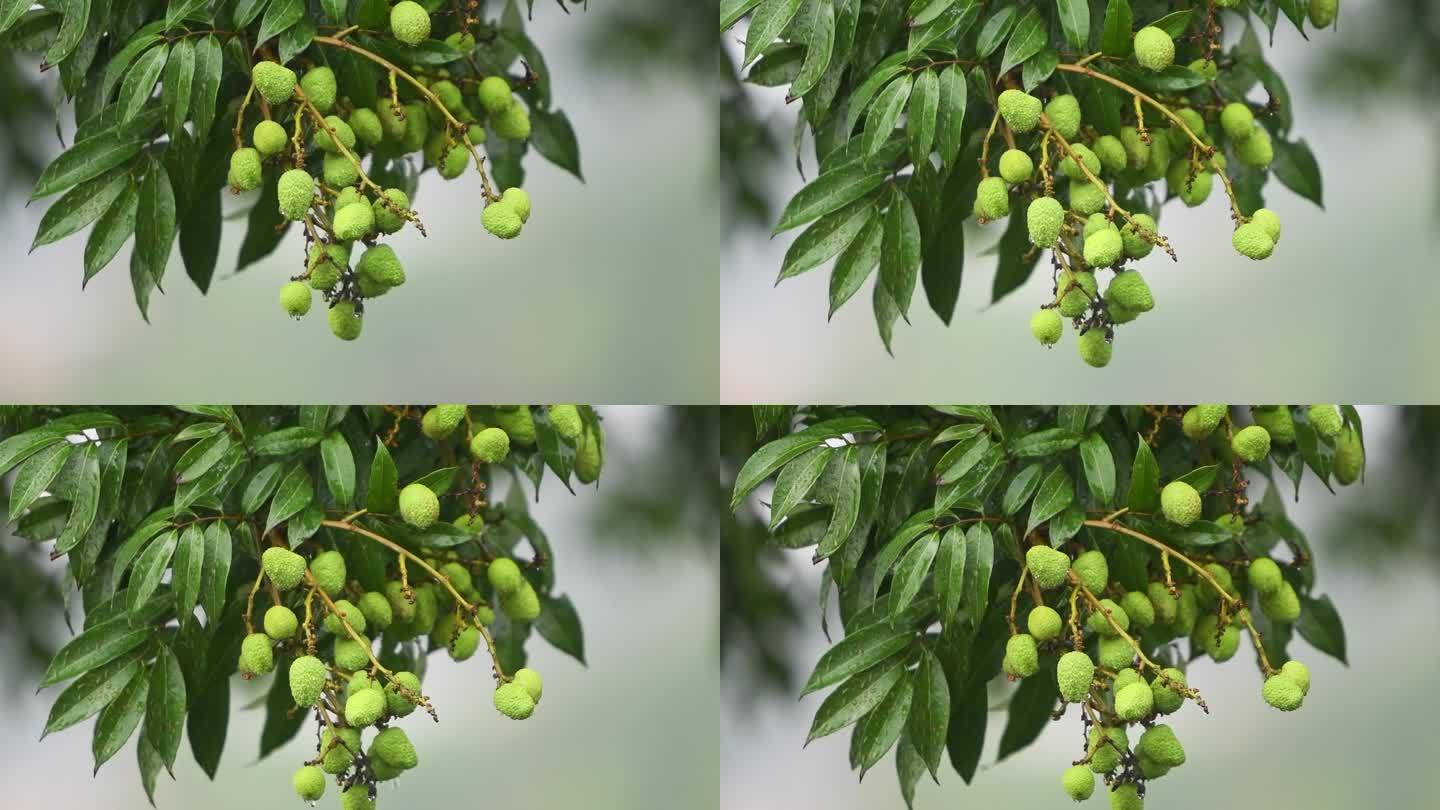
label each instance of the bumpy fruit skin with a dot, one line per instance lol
(1200, 421)
(342, 131)
(309, 783)
(501, 220)
(1107, 753)
(1129, 290)
(296, 191)
(1126, 797)
(1047, 565)
(1283, 693)
(523, 605)
(1167, 700)
(1137, 151)
(1180, 503)
(1192, 190)
(1097, 622)
(418, 506)
(1074, 303)
(494, 93)
(364, 707)
(344, 322)
(350, 612)
(339, 171)
(513, 124)
(326, 264)
(1115, 652)
(357, 798)
(1020, 110)
(284, 567)
(1092, 570)
(328, 569)
(1064, 114)
(530, 679)
(1206, 68)
(517, 422)
(1079, 782)
(504, 576)
(1136, 246)
(399, 705)
(1137, 606)
(1022, 657)
(1071, 169)
(376, 610)
(307, 680)
(319, 87)
(1349, 456)
(1074, 673)
(1047, 325)
(442, 420)
(1162, 604)
(295, 298)
(1323, 12)
(1134, 702)
(1237, 120)
(1044, 218)
(1299, 673)
(490, 446)
(1159, 745)
(1124, 678)
(992, 199)
(386, 220)
(1086, 198)
(1256, 150)
(518, 199)
(1043, 623)
(453, 162)
(1154, 49)
(393, 746)
(589, 457)
(1251, 443)
(1221, 574)
(514, 701)
(280, 622)
(1283, 605)
(1104, 248)
(466, 642)
(566, 421)
(1016, 166)
(351, 655)
(336, 758)
(257, 657)
(1111, 153)
(354, 221)
(1097, 223)
(1265, 575)
(1324, 418)
(269, 138)
(366, 126)
(409, 22)
(1277, 421)
(380, 269)
(274, 81)
(245, 171)
(401, 609)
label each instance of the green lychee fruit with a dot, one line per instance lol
(1079, 782)
(1283, 693)
(1104, 248)
(1299, 673)
(1160, 153)
(530, 679)
(1074, 303)
(494, 94)
(345, 323)
(1020, 110)
(1324, 12)
(1256, 150)
(450, 99)
(342, 131)
(1251, 443)
(274, 81)
(1207, 69)
(1349, 456)
(1265, 575)
(1154, 49)
(309, 783)
(1016, 166)
(284, 567)
(393, 746)
(1074, 673)
(1167, 700)
(1111, 153)
(381, 267)
(295, 298)
(566, 421)
(1126, 797)
(1134, 702)
(1115, 652)
(1162, 604)
(364, 707)
(1107, 747)
(442, 420)
(245, 171)
(418, 506)
(366, 126)
(523, 605)
(296, 191)
(1324, 418)
(1071, 169)
(1208, 598)
(386, 219)
(338, 750)
(402, 610)
(1046, 325)
(257, 657)
(269, 138)
(992, 199)
(307, 680)
(465, 643)
(514, 701)
(1192, 188)
(1283, 605)
(1180, 503)
(1200, 421)
(319, 87)
(1137, 246)
(1187, 611)
(589, 457)
(339, 170)
(351, 655)
(354, 221)
(280, 621)
(357, 797)
(519, 200)
(352, 614)
(427, 609)
(328, 569)
(1277, 421)
(1064, 114)
(1092, 570)
(1237, 120)
(1098, 623)
(513, 124)
(409, 22)
(1047, 565)
(453, 161)
(518, 424)
(1043, 622)
(327, 262)
(1097, 223)
(1044, 218)
(1124, 678)
(1022, 657)
(1129, 290)
(398, 704)
(1137, 606)
(458, 575)
(392, 118)
(1086, 198)
(1137, 150)
(376, 610)
(461, 40)
(501, 220)
(1160, 745)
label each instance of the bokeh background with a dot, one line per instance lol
(609, 296)
(1365, 736)
(635, 730)
(1340, 311)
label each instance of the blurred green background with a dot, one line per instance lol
(609, 296)
(637, 729)
(1365, 737)
(1341, 311)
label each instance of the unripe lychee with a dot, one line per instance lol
(1022, 657)
(1133, 237)
(382, 770)
(409, 22)
(1129, 290)
(1107, 753)
(530, 680)
(514, 701)
(1265, 575)
(1192, 188)
(992, 199)
(345, 323)
(1071, 169)
(295, 298)
(1016, 166)
(284, 567)
(1200, 421)
(1046, 325)
(352, 655)
(1180, 503)
(1096, 223)
(380, 270)
(1020, 110)
(1187, 611)
(1154, 49)
(1044, 218)
(1134, 702)
(394, 747)
(566, 421)
(295, 191)
(1079, 782)
(523, 605)
(1094, 348)
(501, 220)
(1098, 623)
(427, 609)
(399, 705)
(1323, 12)
(1208, 598)
(1137, 606)
(1167, 700)
(257, 657)
(1283, 605)
(307, 680)
(1237, 120)
(402, 610)
(245, 171)
(327, 262)
(1137, 151)
(280, 621)
(342, 131)
(274, 81)
(1115, 652)
(461, 40)
(1064, 114)
(309, 783)
(366, 126)
(364, 707)
(1092, 570)
(319, 87)
(1074, 303)
(1086, 198)
(269, 138)
(1124, 678)
(1074, 673)
(494, 93)
(1283, 693)
(386, 219)
(337, 751)
(1251, 443)
(1111, 153)
(517, 422)
(589, 457)
(1043, 623)
(1160, 152)
(328, 569)
(1349, 456)
(504, 576)
(1047, 565)
(339, 170)
(465, 643)
(1277, 421)
(513, 124)
(1256, 150)
(1125, 797)
(350, 612)
(519, 200)
(357, 798)
(1162, 604)
(1299, 673)
(442, 420)
(450, 99)
(1104, 248)
(376, 610)
(392, 118)
(1221, 645)
(454, 159)
(418, 506)
(354, 221)
(1207, 68)
(1159, 745)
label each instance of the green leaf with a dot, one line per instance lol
(205, 87)
(1017, 259)
(91, 693)
(979, 558)
(280, 15)
(1320, 625)
(140, 80)
(336, 10)
(262, 485)
(200, 230)
(265, 228)
(1296, 167)
(1144, 480)
(922, 116)
(181, 9)
(779, 452)
(1117, 40)
(119, 719)
(1030, 709)
(115, 226)
(1030, 35)
(11, 11)
(96, 646)
(1174, 23)
(857, 262)
(950, 121)
(216, 571)
(1075, 21)
(201, 456)
(1201, 478)
(818, 49)
(285, 441)
(878, 732)
(175, 92)
(732, 10)
(155, 222)
(189, 570)
(79, 207)
(295, 493)
(72, 30)
(795, 481)
(207, 723)
(845, 501)
(993, 33)
(885, 114)
(827, 237)
(339, 464)
(830, 192)
(854, 699)
(900, 252)
(1021, 487)
(1099, 468)
(554, 138)
(857, 652)
(150, 762)
(86, 160)
(150, 568)
(1055, 493)
(35, 476)
(559, 624)
(768, 22)
(382, 495)
(909, 767)
(950, 573)
(929, 721)
(165, 710)
(911, 573)
(84, 501)
(860, 100)
(1045, 442)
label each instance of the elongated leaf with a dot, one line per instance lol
(885, 114)
(1117, 39)
(36, 475)
(950, 573)
(846, 506)
(382, 494)
(285, 440)
(1320, 625)
(11, 11)
(91, 693)
(732, 10)
(559, 624)
(165, 710)
(818, 50)
(79, 207)
(1021, 488)
(294, 493)
(929, 721)
(1144, 479)
(1075, 21)
(950, 119)
(120, 719)
(857, 262)
(201, 457)
(857, 652)
(829, 235)
(1030, 709)
(795, 481)
(911, 573)
(155, 222)
(96, 646)
(995, 30)
(900, 252)
(923, 115)
(979, 559)
(216, 570)
(189, 571)
(854, 699)
(205, 87)
(175, 94)
(768, 22)
(84, 502)
(1099, 468)
(278, 18)
(1055, 493)
(1029, 37)
(339, 463)
(140, 81)
(776, 454)
(262, 485)
(881, 728)
(150, 568)
(247, 10)
(115, 226)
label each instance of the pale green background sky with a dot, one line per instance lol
(609, 295)
(1364, 738)
(1342, 311)
(637, 730)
